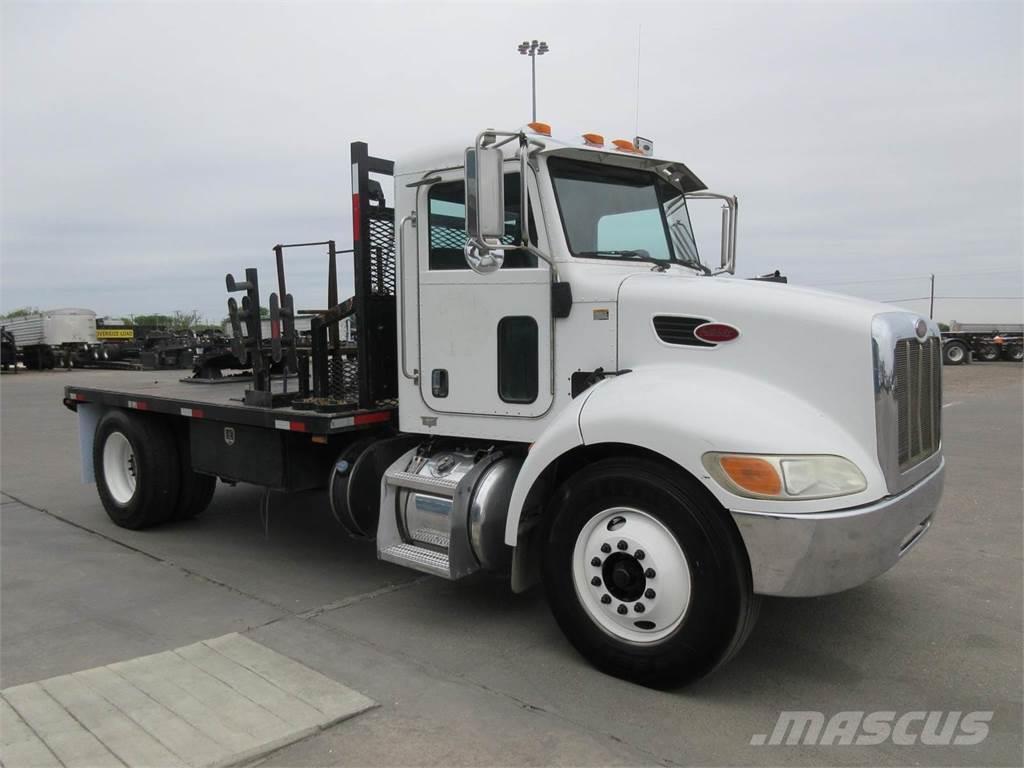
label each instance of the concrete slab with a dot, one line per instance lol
(468, 674)
(19, 743)
(73, 600)
(94, 717)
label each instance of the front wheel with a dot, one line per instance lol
(954, 353)
(645, 574)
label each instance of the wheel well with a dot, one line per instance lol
(525, 570)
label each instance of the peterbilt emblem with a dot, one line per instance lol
(921, 328)
(229, 435)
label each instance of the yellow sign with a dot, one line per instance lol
(115, 333)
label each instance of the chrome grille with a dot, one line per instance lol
(917, 389)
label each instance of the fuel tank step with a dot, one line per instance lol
(443, 511)
(420, 558)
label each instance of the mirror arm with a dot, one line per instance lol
(524, 198)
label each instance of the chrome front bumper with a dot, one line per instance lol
(822, 553)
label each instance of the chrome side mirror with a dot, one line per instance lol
(485, 208)
(730, 211)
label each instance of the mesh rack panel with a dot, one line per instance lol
(343, 372)
(382, 251)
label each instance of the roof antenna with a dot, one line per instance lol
(637, 132)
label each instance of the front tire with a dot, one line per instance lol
(954, 353)
(137, 470)
(645, 574)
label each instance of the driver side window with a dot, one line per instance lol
(447, 226)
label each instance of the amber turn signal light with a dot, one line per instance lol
(752, 474)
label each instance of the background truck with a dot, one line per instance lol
(546, 381)
(56, 337)
(982, 341)
(8, 350)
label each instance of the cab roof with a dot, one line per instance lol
(450, 156)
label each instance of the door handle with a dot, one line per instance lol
(400, 266)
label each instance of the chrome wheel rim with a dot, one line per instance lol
(631, 576)
(119, 469)
(955, 354)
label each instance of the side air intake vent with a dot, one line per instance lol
(679, 330)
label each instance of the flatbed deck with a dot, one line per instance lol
(224, 402)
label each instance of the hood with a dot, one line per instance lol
(812, 344)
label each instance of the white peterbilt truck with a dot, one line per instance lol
(548, 381)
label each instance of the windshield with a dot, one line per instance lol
(626, 213)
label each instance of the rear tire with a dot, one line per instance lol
(1014, 353)
(137, 470)
(954, 353)
(988, 352)
(195, 489)
(645, 574)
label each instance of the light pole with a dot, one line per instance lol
(533, 49)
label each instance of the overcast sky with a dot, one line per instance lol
(147, 149)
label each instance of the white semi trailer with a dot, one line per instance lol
(55, 337)
(549, 382)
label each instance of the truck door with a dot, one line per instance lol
(484, 340)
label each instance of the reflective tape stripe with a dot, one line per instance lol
(373, 418)
(291, 426)
(138, 405)
(193, 413)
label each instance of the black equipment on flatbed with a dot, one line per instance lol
(266, 434)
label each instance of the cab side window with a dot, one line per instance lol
(447, 221)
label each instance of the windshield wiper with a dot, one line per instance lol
(636, 255)
(696, 265)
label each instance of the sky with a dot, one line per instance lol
(146, 149)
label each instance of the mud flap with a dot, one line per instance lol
(88, 418)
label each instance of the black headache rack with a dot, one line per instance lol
(340, 384)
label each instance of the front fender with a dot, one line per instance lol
(561, 436)
(682, 412)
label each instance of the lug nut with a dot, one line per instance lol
(649, 573)
(649, 594)
(622, 609)
(623, 546)
(606, 548)
(606, 599)
(639, 608)
(595, 581)
(640, 554)
(596, 562)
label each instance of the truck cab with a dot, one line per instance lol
(584, 324)
(556, 384)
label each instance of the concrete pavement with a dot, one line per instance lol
(466, 673)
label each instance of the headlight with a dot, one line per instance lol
(785, 477)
